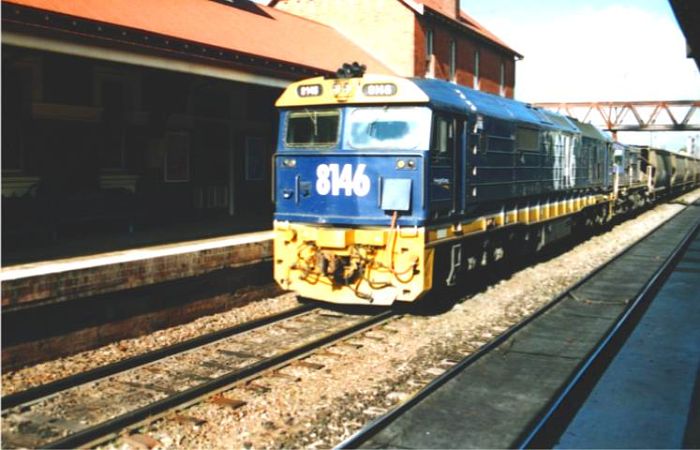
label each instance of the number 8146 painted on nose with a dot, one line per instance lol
(331, 179)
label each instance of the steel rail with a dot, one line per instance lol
(546, 428)
(378, 424)
(105, 430)
(37, 393)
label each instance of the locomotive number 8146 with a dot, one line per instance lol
(386, 186)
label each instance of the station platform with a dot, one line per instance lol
(649, 396)
(85, 276)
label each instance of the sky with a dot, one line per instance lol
(596, 50)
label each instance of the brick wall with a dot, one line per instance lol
(420, 63)
(396, 35)
(490, 58)
(489, 71)
(101, 279)
(383, 28)
(510, 77)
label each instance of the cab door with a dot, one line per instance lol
(461, 171)
(441, 180)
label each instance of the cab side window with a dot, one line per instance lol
(527, 139)
(443, 141)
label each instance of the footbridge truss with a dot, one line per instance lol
(676, 115)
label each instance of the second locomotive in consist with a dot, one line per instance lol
(385, 186)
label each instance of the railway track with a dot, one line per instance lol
(65, 414)
(89, 408)
(521, 389)
(45, 390)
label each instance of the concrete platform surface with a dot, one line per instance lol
(122, 256)
(648, 396)
(85, 276)
(494, 402)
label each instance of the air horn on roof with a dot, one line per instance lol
(354, 70)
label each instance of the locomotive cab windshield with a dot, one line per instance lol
(365, 128)
(312, 128)
(400, 128)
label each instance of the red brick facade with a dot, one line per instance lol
(395, 32)
(491, 78)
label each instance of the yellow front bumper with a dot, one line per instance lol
(396, 264)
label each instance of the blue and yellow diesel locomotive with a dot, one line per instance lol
(386, 186)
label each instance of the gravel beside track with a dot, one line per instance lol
(86, 412)
(18, 380)
(321, 404)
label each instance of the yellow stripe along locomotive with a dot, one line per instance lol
(386, 186)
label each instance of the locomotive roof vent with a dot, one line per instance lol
(354, 70)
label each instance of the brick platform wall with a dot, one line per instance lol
(56, 286)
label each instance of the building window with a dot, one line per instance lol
(114, 133)
(116, 92)
(476, 69)
(14, 104)
(428, 45)
(502, 85)
(255, 158)
(429, 56)
(453, 60)
(177, 157)
(21, 87)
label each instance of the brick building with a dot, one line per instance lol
(120, 115)
(419, 38)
